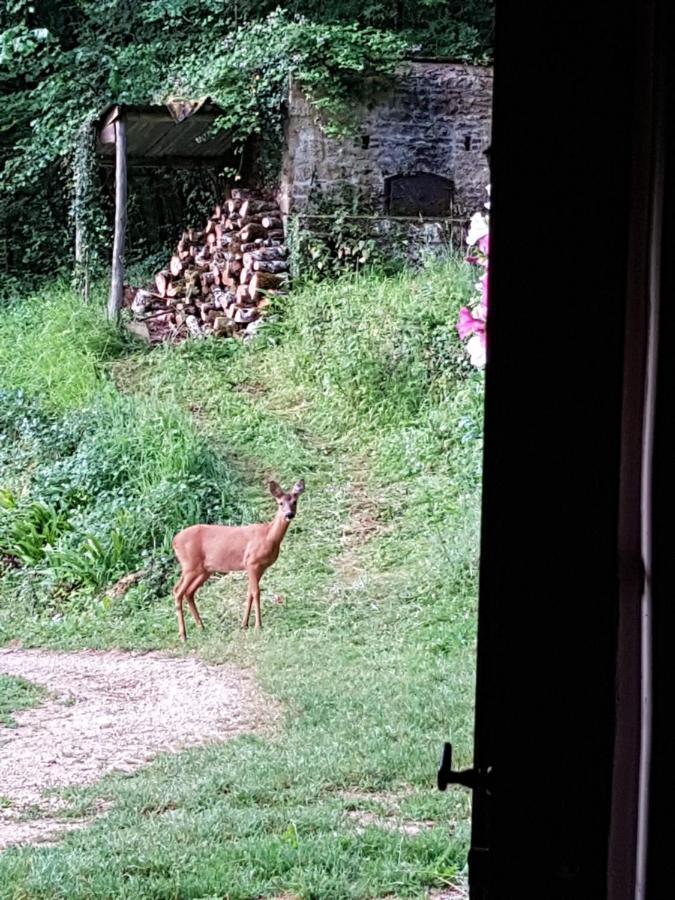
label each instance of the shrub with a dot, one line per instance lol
(97, 493)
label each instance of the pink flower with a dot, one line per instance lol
(469, 324)
(472, 324)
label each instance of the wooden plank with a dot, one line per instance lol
(170, 162)
(117, 280)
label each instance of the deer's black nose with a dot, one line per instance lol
(289, 516)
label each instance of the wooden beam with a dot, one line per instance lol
(168, 162)
(117, 280)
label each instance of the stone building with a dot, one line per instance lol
(419, 150)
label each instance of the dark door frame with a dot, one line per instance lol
(577, 468)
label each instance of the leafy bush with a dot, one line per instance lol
(98, 493)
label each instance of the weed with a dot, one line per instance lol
(16, 694)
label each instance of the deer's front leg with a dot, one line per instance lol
(254, 576)
(249, 604)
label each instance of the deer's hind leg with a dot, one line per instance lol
(178, 595)
(192, 589)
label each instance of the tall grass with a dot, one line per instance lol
(54, 347)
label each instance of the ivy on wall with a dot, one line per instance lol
(60, 64)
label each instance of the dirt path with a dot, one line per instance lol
(109, 712)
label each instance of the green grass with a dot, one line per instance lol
(53, 347)
(17, 694)
(362, 389)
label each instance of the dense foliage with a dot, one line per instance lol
(61, 64)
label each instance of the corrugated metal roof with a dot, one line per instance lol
(175, 130)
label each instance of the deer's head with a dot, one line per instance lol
(287, 503)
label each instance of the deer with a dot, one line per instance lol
(203, 550)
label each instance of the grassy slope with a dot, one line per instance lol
(362, 393)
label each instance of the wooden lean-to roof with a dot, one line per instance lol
(171, 134)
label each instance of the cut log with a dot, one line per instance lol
(219, 297)
(208, 314)
(240, 193)
(162, 281)
(249, 207)
(251, 219)
(245, 276)
(276, 234)
(265, 281)
(270, 222)
(233, 268)
(243, 294)
(264, 254)
(195, 236)
(193, 326)
(176, 266)
(208, 279)
(141, 303)
(175, 289)
(222, 325)
(251, 232)
(246, 315)
(270, 265)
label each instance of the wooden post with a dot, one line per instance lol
(117, 280)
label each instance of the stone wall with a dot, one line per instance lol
(434, 118)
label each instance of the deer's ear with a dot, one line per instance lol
(299, 488)
(275, 490)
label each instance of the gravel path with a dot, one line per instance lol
(110, 712)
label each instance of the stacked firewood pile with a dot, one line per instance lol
(220, 278)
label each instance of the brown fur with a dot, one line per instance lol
(203, 550)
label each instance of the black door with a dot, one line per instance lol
(580, 128)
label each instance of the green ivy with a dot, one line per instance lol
(61, 64)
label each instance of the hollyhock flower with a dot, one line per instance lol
(476, 348)
(478, 228)
(468, 323)
(472, 323)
